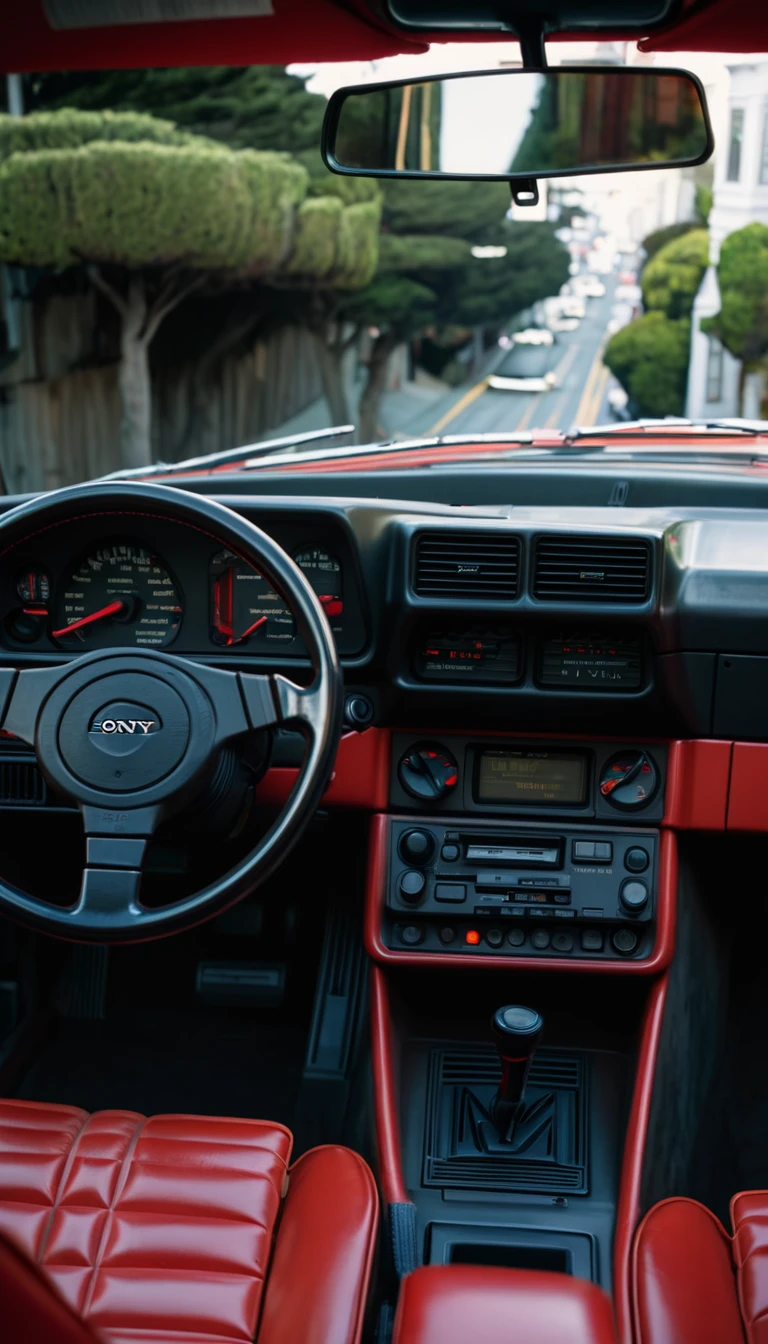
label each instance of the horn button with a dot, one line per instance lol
(121, 743)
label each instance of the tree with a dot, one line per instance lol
(248, 107)
(660, 237)
(672, 277)
(650, 359)
(154, 214)
(742, 272)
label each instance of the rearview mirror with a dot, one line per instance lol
(513, 124)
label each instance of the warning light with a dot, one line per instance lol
(472, 937)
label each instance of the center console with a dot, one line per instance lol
(505, 848)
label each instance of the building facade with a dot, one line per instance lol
(740, 198)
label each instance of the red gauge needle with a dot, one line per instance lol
(111, 609)
(250, 630)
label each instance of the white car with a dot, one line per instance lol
(564, 323)
(588, 287)
(533, 336)
(544, 384)
(573, 307)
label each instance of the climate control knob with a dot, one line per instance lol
(428, 772)
(417, 847)
(629, 780)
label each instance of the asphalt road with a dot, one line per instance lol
(578, 399)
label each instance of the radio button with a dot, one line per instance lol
(636, 860)
(516, 937)
(411, 935)
(450, 853)
(450, 891)
(592, 940)
(540, 939)
(564, 914)
(417, 847)
(412, 884)
(633, 896)
(494, 937)
(604, 851)
(562, 942)
(447, 934)
(625, 941)
(583, 851)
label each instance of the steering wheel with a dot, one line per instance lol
(183, 713)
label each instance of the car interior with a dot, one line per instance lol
(413, 989)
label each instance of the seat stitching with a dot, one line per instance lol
(117, 1192)
(148, 1213)
(61, 1185)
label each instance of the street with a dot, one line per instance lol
(578, 399)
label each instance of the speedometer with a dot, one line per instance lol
(118, 594)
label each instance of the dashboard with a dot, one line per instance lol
(550, 619)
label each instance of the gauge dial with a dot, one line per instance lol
(244, 607)
(117, 594)
(324, 574)
(629, 779)
(34, 587)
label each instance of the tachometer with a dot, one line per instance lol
(324, 574)
(118, 594)
(244, 607)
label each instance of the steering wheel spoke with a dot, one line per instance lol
(116, 844)
(307, 707)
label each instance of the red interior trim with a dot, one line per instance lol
(698, 778)
(748, 796)
(335, 30)
(628, 1208)
(374, 904)
(360, 775)
(385, 1063)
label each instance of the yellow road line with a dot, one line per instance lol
(459, 406)
(597, 398)
(587, 395)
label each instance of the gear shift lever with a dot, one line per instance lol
(516, 1033)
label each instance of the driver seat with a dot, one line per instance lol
(178, 1229)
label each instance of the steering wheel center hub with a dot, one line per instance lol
(124, 732)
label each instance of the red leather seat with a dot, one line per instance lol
(695, 1284)
(178, 1230)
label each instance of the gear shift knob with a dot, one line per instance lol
(516, 1032)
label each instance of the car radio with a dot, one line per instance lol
(521, 889)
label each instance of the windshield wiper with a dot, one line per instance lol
(226, 455)
(671, 424)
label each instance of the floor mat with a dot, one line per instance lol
(207, 1064)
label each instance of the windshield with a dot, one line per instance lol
(180, 275)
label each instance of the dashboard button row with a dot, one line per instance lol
(625, 941)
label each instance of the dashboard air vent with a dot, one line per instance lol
(21, 783)
(592, 569)
(468, 565)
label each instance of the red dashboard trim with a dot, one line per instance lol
(628, 1208)
(375, 947)
(698, 779)
(384, 1059)
(360, 775)
(748, 796)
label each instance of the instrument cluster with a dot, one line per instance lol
(156, 583)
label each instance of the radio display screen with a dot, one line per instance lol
(532, 778)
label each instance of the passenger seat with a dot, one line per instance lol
(692, 1283)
